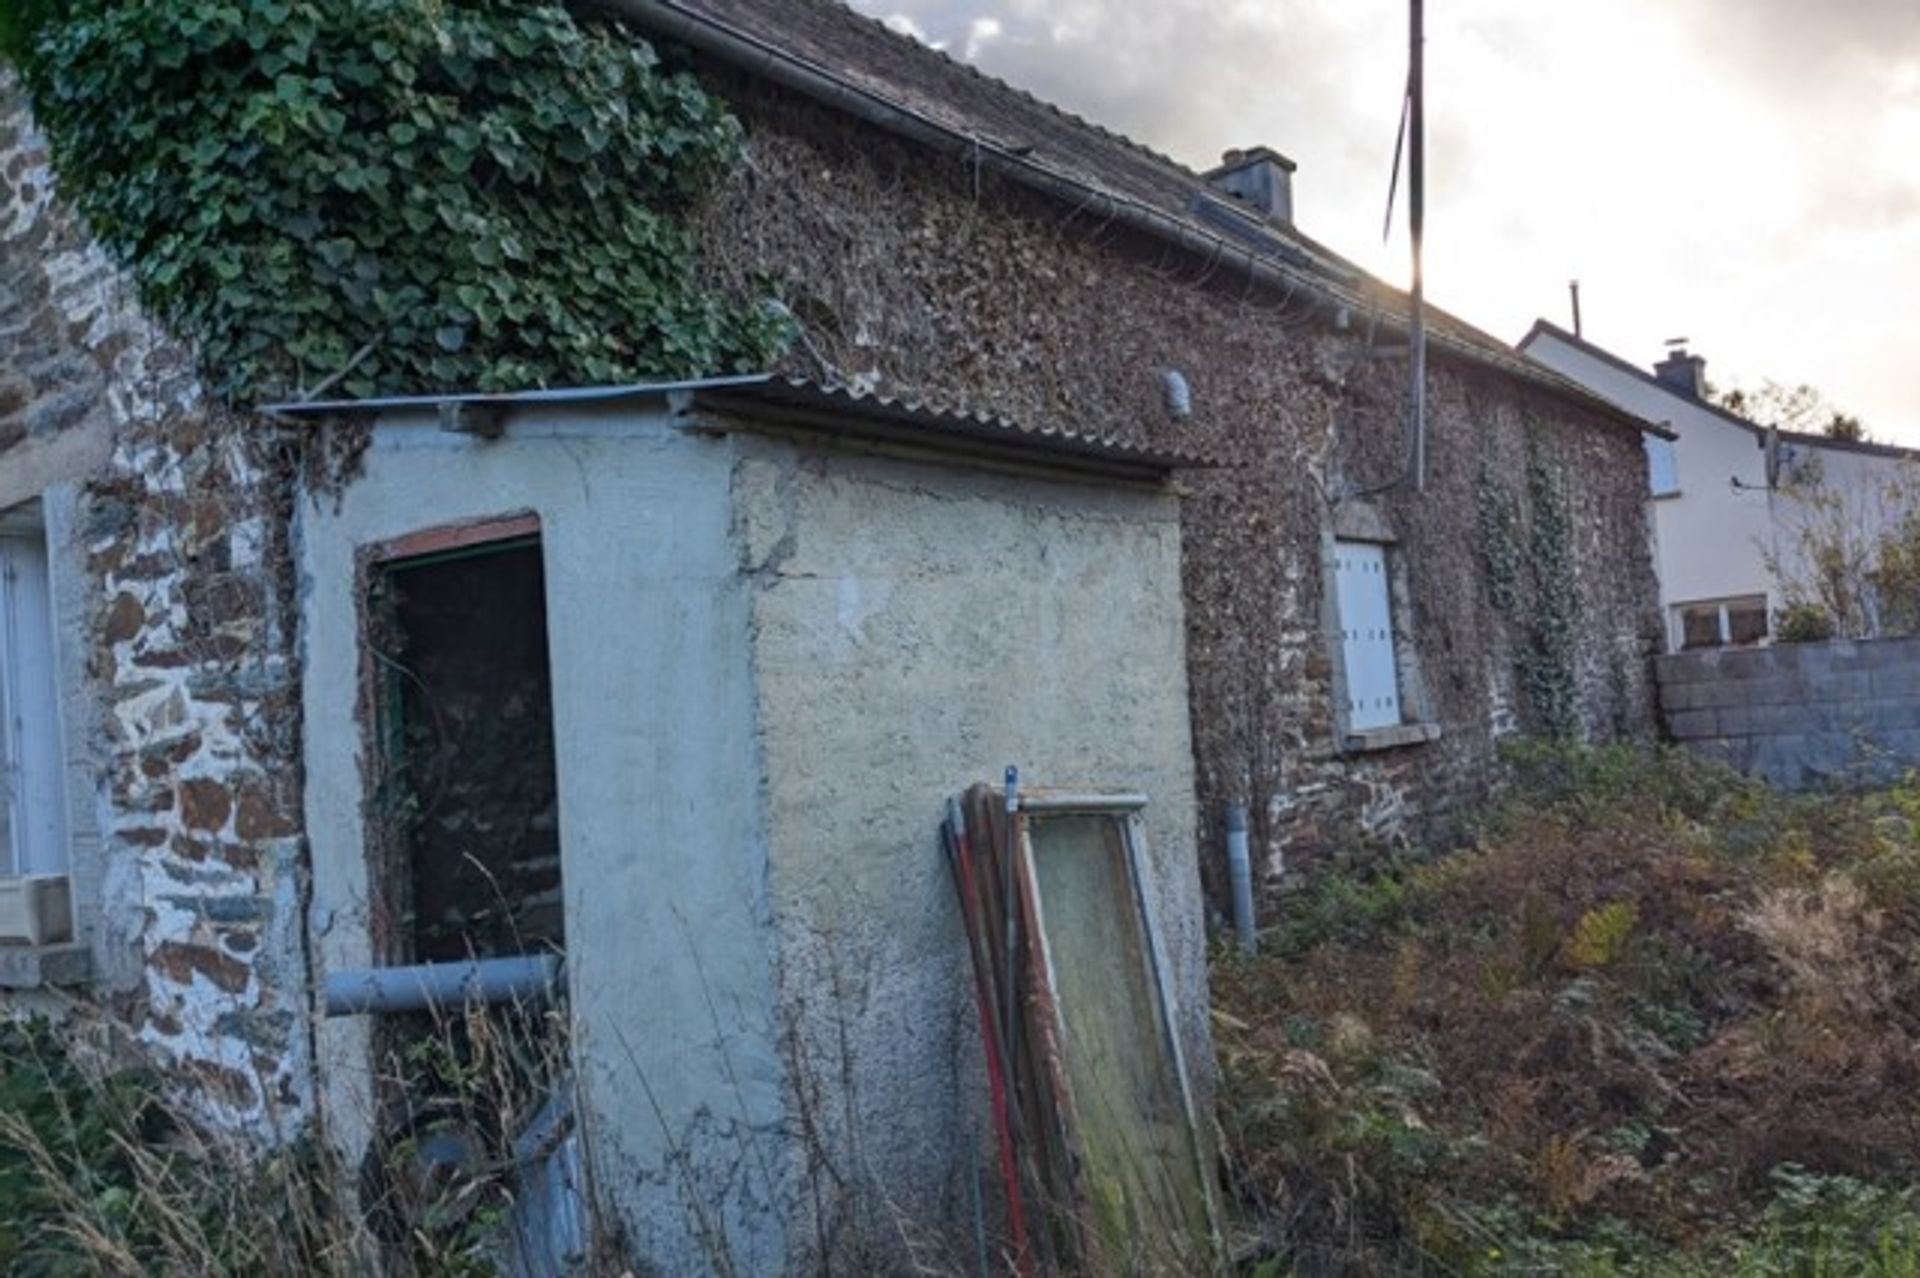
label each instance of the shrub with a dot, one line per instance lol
(1657, 1023)
(100, 1174)
(1602, 933)
(1803, 622)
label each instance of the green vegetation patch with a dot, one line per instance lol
(393, 195)
(1659, 1020)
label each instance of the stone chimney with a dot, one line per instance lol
(1685, 373)
(1260, 178)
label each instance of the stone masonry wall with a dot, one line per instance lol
(1800, 715)
(192, 915)
(916, 276)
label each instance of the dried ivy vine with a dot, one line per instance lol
(387, 195)
(1531, 579)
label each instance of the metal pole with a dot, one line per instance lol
(1010, 903)
(1417, 217)
(1573, 287)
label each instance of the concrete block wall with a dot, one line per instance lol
(1799, 715)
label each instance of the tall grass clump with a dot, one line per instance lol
(102, 1172)
(1657, 1019)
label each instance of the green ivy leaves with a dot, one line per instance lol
(1532, 578)
(482, 194)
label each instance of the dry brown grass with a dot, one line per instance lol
(1625, 1008)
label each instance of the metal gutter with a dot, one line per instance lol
(562, 395)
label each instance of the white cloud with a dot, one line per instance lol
(906, 26)
(980, 32)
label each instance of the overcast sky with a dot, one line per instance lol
(1744, 173)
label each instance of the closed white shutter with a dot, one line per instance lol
(30, 754)
(1366, 635)
(1663, 473)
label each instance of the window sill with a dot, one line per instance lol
(32, 967)
(1672, 494)
(1393, 738)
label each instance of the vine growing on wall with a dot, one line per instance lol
(1548, 664)
(391, 195)
(1531, 578)
(1500, 541)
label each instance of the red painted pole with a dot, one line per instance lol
(960, 850)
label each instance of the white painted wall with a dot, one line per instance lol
(918, 628)
(663, 854)
(772, 664)
(1715, 537)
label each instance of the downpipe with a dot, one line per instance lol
(1240, 876)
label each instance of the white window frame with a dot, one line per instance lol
(1369, 646)
(32, 741)
(1721, 607)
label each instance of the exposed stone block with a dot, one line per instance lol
(1734, 721)
(1827, 686)
(181, 962)
(204, 804)
(1690, 724)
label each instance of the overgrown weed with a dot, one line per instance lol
(101, 1173)
(1657, 1020)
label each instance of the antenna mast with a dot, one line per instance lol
(1416, 223)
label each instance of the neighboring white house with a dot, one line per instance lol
(1728, 494)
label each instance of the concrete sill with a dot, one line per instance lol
(1402, 734)
(32, 967)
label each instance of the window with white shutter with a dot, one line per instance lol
(33, 827)
(1366, 635)
(1663, 466)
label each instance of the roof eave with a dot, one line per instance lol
(830, 412)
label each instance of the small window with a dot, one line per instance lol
(1723, 623)
(1746, 621)
(1663, 467)
(33, 824)
(1363, 598)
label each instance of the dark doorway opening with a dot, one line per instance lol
(468, 792)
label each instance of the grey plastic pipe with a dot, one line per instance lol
(530, 978)
(1240, 875)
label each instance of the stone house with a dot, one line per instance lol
(968, 525)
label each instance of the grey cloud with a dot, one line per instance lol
(1801, 47)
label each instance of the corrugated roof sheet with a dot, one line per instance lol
(831, 410)
(930, 424)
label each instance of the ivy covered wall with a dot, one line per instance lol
(394, 195)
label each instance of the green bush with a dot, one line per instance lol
(401, 194)
(1580, 1045)
(56, 1119)
(1803, 622)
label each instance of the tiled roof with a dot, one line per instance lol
(1547, 328)
(828, 38)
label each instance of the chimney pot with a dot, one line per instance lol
(1684, 372)
(1259, 177)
